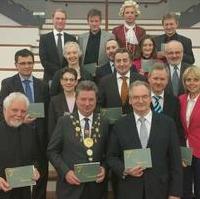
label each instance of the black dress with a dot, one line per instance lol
(17, 148)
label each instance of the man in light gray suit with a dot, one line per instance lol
(93, 42)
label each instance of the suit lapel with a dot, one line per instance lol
(85, 41)
(18, 84)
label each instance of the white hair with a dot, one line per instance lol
(15, 96)
(129, 3)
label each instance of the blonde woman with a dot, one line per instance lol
(129, 34)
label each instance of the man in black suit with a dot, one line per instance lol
(50, 47)
(113, 88)
(146, 129)
(109, 67)
(80, 137)
(176, 66)
(162, 100)
(36, 91)
(170, 24)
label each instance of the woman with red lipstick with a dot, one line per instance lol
(128, 35)
(190, 118)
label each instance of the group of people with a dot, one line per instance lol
(160, 111)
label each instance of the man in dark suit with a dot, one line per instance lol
(176, 66)
(162, 100)
(144, 129)
(80, 137)
(36, 91)
(51, 45)
(113, 89)
(170, 24)
(108, 68)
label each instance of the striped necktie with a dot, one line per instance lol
(156, 105)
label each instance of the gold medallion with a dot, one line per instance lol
(89, 152)
(88, 142)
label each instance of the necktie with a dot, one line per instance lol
(175, 81)
(124, 90)
(143, 132)
(156, 106)
(86, 128)
(28, 91)
(59, 47)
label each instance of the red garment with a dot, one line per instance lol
(120, 36)
(192, 132)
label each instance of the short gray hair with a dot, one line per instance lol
(139, 83)
(15, 96)
(72, 43)
(86, 85)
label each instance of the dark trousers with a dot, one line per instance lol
(192, 175)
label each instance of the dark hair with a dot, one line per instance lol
(23, 53)
(86, 85)
(123, 50)
(170, 15)
(139, 52)
(94, 12)
(69, 70)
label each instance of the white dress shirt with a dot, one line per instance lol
(55, 32)
(82, 122)
(172, 70)
(148, 120)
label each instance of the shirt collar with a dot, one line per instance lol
(161, 95)
(30, 78)
(81, 117)
(178, 66)
(148, 117)
(127, 75)
(195, 99)
(55, 32)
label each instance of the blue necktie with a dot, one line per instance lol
(156, 106)
(28, 91)
(86, 128)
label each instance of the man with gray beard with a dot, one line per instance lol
(18, 144)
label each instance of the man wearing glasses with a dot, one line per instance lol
(36, 91)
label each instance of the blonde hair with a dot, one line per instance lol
(69, 44)
(129, 3)
(190, 70)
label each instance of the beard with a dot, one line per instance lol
(15, 123)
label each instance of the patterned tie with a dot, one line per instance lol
(156, 106)
(143, 132)
(175, 81)
(86, 128)
(28, 91)
(59, 47)
(124, 90)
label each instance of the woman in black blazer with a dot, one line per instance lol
(64, 102)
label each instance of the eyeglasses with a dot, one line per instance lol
(25, 63)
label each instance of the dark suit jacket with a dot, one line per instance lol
(109, 94)
(103, 71)
(13, 84)
(188, 56)
(165, 176)
(171, 108)
(57, 107)
(65, 150)
(49, 55)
